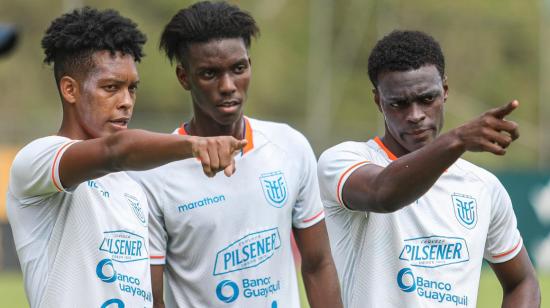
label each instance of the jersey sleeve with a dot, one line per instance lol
(308, 209)
(158, 236)
(334, 168)
(35, 170)
(504, 241)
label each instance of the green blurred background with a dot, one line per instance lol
(309, 68)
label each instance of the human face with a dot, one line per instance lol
(217, 74)
(412, 104)
(107, 95)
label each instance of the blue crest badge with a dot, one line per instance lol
(136, 208)
(465, 209)
(275, 189)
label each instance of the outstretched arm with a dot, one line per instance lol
(140, 150)
(376, 189)
(318, 270)
(518, 280)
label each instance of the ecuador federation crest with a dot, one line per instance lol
(275, 188)
(465, 209)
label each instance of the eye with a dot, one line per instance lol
(398, 104)
(133, 88)
(428, 98)
(207, 74)
(110, 88)
(241, 68)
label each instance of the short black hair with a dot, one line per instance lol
(205, 21)
(72, 38)
(403, 51)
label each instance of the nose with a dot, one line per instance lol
(127, 100)
(227, 85)
(416, 113)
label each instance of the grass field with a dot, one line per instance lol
(13, 296)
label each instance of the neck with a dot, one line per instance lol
(71, 129)
(196, 127)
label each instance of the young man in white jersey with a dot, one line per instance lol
(227, 243)
(81, 226)
(409, 221)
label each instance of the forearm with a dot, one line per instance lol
(321, 284)
(141, 150)
(406, 179)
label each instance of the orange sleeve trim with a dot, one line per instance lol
(342, 178)
(315, 216)
(59, 151)
(504, 254)
(156, 257)
(383, 147)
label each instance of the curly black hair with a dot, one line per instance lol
(403, 51)
(202, 22)
(72, 38)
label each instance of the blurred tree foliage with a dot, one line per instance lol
(491, 49)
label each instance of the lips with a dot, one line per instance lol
(229, 106)
(120, 122)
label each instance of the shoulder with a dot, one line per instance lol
(279, 133)
(38, 148)
(348, 149)
(475, 173)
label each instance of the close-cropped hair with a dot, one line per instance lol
(205, 21)
(403, 51)
(71, 40)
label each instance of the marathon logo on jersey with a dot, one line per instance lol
(228, 291)
(200, 203)
(430, 290)
(249, 251)
(105, 271)
(133, 202)
(275, 188)
(465, 209)
(95, 185)
(124, 246)
(434, 251)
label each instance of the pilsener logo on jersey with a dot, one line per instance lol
(249, 251)
(434, 251)
(124, 246)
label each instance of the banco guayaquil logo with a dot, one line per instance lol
(227, 291)
(275, 188)
(106, 271)
(405, 280)
(465, 209)
(133, 202)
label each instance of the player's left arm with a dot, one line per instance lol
(519, 283)
(318, 270)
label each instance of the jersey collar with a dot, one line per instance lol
(247, 133)
(383, 147)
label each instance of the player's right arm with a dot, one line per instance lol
(387, 189)
(140, 150)
(157, 272)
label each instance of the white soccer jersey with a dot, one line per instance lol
(83, 246)
(226, 242)
(428, 254)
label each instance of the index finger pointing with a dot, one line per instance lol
(505, 110)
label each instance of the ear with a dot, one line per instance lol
(445, 88)
(377, 98)
(183, 77)
(69, 89)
